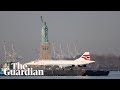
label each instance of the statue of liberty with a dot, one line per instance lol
(45, 53)
(44, 31)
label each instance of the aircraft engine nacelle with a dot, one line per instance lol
(73, 65)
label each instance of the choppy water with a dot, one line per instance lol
(112, 75)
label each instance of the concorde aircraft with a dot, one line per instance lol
(82, 61)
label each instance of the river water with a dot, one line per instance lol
(112, 75)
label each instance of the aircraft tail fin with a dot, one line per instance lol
(85, 56)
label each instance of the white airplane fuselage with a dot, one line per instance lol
(83, 60)
(59, 62)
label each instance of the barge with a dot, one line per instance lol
(67, 71)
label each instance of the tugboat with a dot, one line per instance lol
(96, 72)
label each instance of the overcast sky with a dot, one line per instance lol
(96, 31)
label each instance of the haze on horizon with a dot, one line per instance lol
(96, 31)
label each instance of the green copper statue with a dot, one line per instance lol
(44, 31)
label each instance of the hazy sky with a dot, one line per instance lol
(95, 31)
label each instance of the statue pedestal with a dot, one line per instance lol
(45, 51)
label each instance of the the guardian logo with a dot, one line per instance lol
(19, 69)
